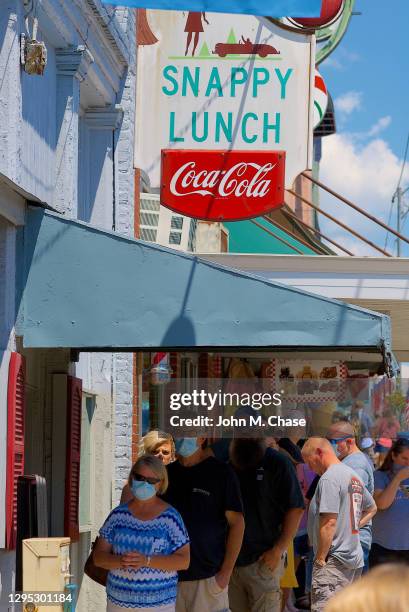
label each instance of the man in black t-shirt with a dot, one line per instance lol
(206, 493)
(273, 506)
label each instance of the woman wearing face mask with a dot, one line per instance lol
(159, 444)
(390, 529)
(143, 544)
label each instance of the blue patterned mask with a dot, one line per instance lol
(142, 490)
(186, 446)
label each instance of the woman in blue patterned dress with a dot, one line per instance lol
(143, 543)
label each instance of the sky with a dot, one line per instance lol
(368, 77)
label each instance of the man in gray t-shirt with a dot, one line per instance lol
(340, 506)
(342, 437)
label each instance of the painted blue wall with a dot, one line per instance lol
(89, 288)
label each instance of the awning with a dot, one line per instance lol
(246, 237)
(94, 290)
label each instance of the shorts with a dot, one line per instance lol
(255, 588)
(201, 596)
(327, 580)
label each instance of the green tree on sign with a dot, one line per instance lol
(232, 40)
(204, 51)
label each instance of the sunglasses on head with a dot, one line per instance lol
(148, 479)
(336, 440)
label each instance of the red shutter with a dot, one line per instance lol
(73, 453)
(15, 442)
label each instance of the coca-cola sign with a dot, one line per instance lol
(222, 185)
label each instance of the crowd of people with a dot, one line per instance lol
(259, 525)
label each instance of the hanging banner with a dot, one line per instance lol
(272, 8)
(224, 82)
(222, 185)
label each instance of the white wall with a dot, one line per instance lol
(7, 283)
(164, 229)
(4, 370)
(36, 165)
(208, 237)
(38, 131)
(405, 370)
(355, 278)
(96, 372)
(7, 344)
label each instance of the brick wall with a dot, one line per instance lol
(123, 421)
(125, 179)
(137, 403)
(125, 193)
(138, 357)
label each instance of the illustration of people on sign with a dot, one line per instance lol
(194, 26)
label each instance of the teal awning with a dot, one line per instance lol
(87, 288)
(246, 237)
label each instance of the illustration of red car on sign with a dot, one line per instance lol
(244, 47)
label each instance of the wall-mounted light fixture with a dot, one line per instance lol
(33, 55)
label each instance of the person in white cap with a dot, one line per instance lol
(367, 447)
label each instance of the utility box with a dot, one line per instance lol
(46, 566)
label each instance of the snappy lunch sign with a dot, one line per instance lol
(224, 82)
(247, 86)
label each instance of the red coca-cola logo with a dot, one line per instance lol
(222, 185)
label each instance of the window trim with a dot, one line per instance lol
(84, 527)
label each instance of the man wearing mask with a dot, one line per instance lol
(273, 507)
(340, 507)
(342, 437)
(206, 493)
